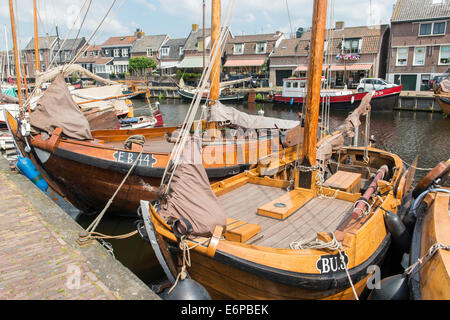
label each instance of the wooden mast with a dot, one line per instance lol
(36, 41)
(215, 72)
(16, 55)
(204, 37)
(313, 94)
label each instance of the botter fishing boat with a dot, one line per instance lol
(259, 236)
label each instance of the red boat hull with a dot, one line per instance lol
(382, 100)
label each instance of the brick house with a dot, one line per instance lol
(350, 54)
(420, 42)
(249, 53)
(93, 61)
(193, 49)
(46, 45)
(172, 52)
(119, 49)
(148, 46)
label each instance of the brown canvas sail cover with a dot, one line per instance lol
(190, 194)
(56, 108)
(5, 99)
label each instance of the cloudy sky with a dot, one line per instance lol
(175, 17)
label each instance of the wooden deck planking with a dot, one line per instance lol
(310, 220)
(317, 215)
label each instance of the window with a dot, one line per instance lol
(295, 85)
(238, 48)
(149, 52)
(419, 56)
(444, 55)
(116, 53)
(67, 54)
(85, 54)
(124, 52)
(402, 56)
(96, 53)
(288, 84)
(261, 47)
(432, 28)
(165, 51)
(352, 46)
(181, 51)
(106, 52)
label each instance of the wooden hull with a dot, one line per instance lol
(87, 173)
(383, 100)
(444, 103)
(432, 282)
(223, 97)
(252, 271)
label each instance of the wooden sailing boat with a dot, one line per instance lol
(442, 96)
(431, 238)
(86, 167)
(261, 246)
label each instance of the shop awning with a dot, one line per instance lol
(244, 63)
(169, 64)
(304, 67)
(193, 62)
(350, 67)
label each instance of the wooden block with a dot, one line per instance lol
(286, 205)
(344, 181)
(241, 231)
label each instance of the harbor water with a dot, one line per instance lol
(407, 134)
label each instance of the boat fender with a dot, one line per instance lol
(29, 170)
(187, 289)
(400, 235)
(391, 288)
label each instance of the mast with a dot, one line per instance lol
(313, 93)
(16, 55)
(36, 41)
(204, 47)
(7, 56)
(215, 72)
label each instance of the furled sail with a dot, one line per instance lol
(51, 74)
(56, 108)
(190, 194)
(229, 115)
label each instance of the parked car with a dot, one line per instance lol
(368, 84)
(436, 81)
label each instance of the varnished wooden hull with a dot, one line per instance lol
(250, 271)
(432, 282)
(444, 103)
(88, 173)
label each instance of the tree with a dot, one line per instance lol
(140, 64)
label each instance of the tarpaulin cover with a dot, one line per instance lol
(190, 194)
(56, 108)
(221, 113)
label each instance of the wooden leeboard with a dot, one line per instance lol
(292, 201)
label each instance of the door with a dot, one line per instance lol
(282, 74)
(408, 81)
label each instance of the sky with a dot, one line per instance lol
(175, 17)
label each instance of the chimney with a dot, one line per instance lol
(139, 34)
(195, 27)
(339, 25)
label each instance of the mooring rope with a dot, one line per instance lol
(422, 261)
(89, 234)
(318, 244)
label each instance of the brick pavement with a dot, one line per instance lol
(35, 262)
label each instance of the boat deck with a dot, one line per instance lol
(318, 215)
(152, 145)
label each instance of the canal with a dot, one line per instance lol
(405, 133)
